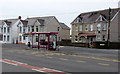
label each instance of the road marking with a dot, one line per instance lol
(45, 70)
(63, 59)
(103, 64)
(50, 57)
(97, 58)
(81, 61)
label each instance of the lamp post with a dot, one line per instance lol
(109, 20)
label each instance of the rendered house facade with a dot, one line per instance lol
(15, 30)
(93, 26)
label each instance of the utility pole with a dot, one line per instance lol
(109, 20)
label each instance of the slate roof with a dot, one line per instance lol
(24, 23)
(64, 26)
(91, 17)
(41, 20)
(10, 22)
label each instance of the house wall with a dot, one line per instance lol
(52, 26)
(6, 34)
(114, 30)
(64, 33)
(14, 32)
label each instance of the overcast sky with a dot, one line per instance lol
(64, 10)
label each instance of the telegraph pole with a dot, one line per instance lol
(109, 20)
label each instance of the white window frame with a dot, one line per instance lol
(81, 28)
(98, 27)
(91, 27)
(104, 27)
(76, 27)
(98, 37)
(86, 27)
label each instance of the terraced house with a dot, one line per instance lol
(16, 30)
(93, 26)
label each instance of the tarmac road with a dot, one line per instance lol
(68, 59)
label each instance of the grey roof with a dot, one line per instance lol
(91, 17)
(64, 26)
(1, 23)
(24, 23)
(10, 22)
(41, 20)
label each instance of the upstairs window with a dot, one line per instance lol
(80, 27)
(86, 27)
(104, 26)
(4, 29)
(99, 27)
(76, 27)
(58, 28)
(36, 28)
(24, 30)
(28, 29)
(32, 28)
(91, 27)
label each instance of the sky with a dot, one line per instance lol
(64, 10)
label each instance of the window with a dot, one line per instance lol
(80, 27)
(36, 28)
(4, 38)
(24, 37)
(36, 38)
(20, 29)
(20, 38)
(76, 27)
(8, 29)
(28, 29)
(4, 29)
(76, 38)
(99, 27)
(78, 20)
(8, 38)
(86, 27)
(23, 29)
(104, 26)
(58, 28)
(41, 28)
(103, 37)
(98, 37)
(91, 27)
(80, 39)
(32, 28)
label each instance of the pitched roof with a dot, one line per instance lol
(41, 20)
(90, 17)
(10, 21)
(64, 26)
(24, 22)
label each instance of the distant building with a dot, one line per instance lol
(93, 26)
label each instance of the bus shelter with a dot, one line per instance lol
(47, 40)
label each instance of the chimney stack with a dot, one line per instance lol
(19, 17)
